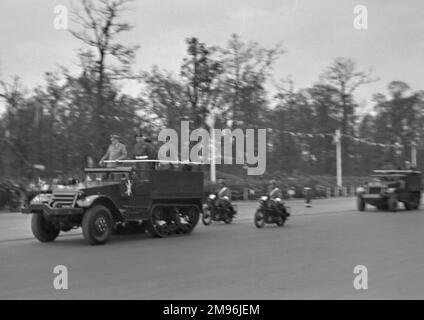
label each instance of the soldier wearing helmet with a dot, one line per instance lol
(274, 192)
(224, 195)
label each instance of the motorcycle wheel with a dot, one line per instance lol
(280, 221)
(259, 218)
(207, 216)
(228, 219)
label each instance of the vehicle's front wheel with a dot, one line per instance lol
(360, 202)
(259, 218)
(42, 229)
(97, 225)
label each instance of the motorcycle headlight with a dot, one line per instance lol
(212, 196)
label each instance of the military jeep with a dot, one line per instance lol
(389, 187)
(164, 202)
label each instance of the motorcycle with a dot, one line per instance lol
(213, 212)
(271, 211)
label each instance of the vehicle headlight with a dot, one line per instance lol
(264, 198)
(45, 187)
(85, 202)
(212, 196)
(360, 190)
(40, 198)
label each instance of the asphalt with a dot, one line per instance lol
(312, 257)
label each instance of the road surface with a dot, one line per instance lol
(312, 257)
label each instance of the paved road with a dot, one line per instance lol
(313, 256)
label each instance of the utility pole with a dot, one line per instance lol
(338, 141)
(414, 154)
(7, 154)
(211, 124)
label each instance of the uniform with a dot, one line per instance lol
(224, 197)
(116, 151)
(275, 193)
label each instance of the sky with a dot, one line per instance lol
(312, 32)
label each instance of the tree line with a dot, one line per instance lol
(69, 116)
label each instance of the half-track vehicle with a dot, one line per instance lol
(389, 187)
(165, 202)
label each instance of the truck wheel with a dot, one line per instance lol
(97, 225)
(158, 225)
(259, 219)
(417, 203)
(360, 203)
(43, 230)
(188, 219)
(412, 204)
(392, 203)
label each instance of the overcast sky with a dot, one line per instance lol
(313, 33)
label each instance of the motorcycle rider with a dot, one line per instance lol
(275, 194)
(224, 196)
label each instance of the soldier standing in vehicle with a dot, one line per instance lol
(141, 150)
(144, 148)
(151, 152)
(116, 151)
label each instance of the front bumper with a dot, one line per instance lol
(372, 196)
(46, 209)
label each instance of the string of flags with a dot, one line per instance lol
(396, 145)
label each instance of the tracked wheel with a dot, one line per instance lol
(187, 218)
(158, 225)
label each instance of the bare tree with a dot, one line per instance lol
(345, 78)
(13, 94)
(99, 28)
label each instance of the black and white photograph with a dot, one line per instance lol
(211, 155)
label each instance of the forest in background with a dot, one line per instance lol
(69, 116)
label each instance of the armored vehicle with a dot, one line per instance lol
(165, 202)
(389, 187)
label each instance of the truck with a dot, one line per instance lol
(389, 187)
(165, 202)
